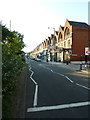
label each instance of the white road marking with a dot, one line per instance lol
(83, 86)
(35, 96)
(57, 107)
(60, 74)
(51, 107)
(36, 88)
(64, 76)
(69, 79)
(33, 80)
(40, 64)
(51, 70)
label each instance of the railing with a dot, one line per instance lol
(84, 66)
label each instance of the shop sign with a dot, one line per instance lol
(74, 54)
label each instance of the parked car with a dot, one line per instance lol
(37, 59)
(33, 58)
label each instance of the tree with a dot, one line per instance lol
(12, 61)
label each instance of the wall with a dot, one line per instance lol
(79, 42)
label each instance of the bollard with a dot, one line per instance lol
(80, 66)
(67, 62)
(85, 67)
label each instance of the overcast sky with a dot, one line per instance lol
(33, 17)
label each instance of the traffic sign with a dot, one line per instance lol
(89, 52)
(86, 50)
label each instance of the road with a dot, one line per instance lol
(53, 91)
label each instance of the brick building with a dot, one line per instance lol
(75, 40)
(67, 44)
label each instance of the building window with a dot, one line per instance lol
(50, 42)
(67, 33)
(60, 37)
(65, 44)
(69, 44)
(61, 44)
(55, 40)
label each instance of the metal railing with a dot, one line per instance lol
(84, 66)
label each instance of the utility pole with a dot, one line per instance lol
(52, 56)
(89, 31)
(10, 25)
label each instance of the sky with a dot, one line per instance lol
(33, 17)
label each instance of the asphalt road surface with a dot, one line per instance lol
(52, 91)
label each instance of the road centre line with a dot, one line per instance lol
(83, 86)
(58, 107)
(62, 75)
(36, 88)
(73, 81)
(51, 70)
(68, 78)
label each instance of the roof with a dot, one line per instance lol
(81, 24)
(56, 32)
(49, 38)
(62, 27)
(52, 35)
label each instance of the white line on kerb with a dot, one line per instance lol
(57, 107)
(36, 88)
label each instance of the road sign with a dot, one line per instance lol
(89, 52)
(86, 50)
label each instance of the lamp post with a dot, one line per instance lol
(81, 62)
(10, 25)
(52, 56)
